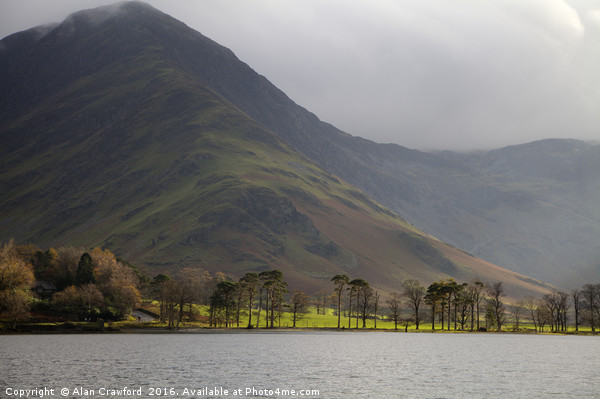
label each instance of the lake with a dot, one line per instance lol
(300, 365)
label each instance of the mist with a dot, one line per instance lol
(429, 75)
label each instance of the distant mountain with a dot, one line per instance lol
(539, 212)
(124, 128)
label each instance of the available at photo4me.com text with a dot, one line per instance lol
(128, 392)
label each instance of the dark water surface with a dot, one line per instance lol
(295, 365)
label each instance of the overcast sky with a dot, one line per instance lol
(426, 74)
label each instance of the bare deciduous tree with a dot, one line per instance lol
(517, 311)
(366, 303)
(298, 306)
(577, 298)
(475, 291)
(531, 304)
(591, 294)
(375, 306)
(394, 308)
(414, 293)
(495, 293)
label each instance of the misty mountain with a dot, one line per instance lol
(543, 216)
(121, 127)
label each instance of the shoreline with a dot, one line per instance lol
(84, 330)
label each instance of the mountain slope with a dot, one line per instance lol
(451, 196)
(116, 132)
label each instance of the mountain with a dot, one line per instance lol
(124, 128)
(540, 213)
(545, 226)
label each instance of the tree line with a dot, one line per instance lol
(261, 299)
(96, 284)
(474, 306)
(262, 294)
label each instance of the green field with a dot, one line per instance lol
(312, 320)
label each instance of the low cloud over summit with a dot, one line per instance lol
(428, 74)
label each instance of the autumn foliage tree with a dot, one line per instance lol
(102, 286)
(117, 282)
(85, 301)
(16, 279)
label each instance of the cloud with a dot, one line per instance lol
(428, 74)
(594, 16)
(555, 18)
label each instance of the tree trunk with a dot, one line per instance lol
(472, 316)
(250, 300)
(442, 317)
(350, 312)
(181, 305)
(417, 317)
(357, 307)
(339, 308)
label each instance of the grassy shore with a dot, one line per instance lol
(312, 321)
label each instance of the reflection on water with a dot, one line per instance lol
(338, 365)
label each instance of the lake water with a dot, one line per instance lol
(298, 364)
